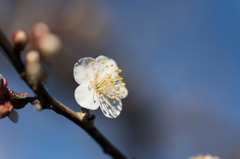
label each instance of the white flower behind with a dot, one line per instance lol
(99, 85)
(204, 157)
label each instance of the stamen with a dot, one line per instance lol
(86, 74)
(107, 82)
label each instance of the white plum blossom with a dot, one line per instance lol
(204, 157)
(99, 85)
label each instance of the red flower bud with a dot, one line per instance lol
(5, 108)
(3, 85)
(19, 40)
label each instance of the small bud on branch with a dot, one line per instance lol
(19, 40)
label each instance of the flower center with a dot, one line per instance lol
(107, 81)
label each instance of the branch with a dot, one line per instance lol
(82, 119)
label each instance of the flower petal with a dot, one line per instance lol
(13, 116)
(111, 108)
(83, 70)
(109, 67)
(124, 92)
(86, 97)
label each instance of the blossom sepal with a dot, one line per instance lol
(18, 105)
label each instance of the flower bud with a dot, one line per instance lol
(49, 45)
(32, 57)
(204, 157)
(39, 29)
(3, 85)
(5, 109)
(19, 40)
(34, 68)
(44, 41)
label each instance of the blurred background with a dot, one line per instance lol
(180, 62)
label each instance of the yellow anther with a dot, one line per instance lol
(86, 74)
(107, 66)
(116, 69)
(118, 88)
(120, 71)
(103, 69)
(92, 63)
(122, 84)
(104, 61)
(111, 65)
(101, 95)
(121, 95)
(112, 86)
(121, 78)
(123, 90)
(109, 75)
(116, 92)
(113, 97)
(117, 76)
(104, 87)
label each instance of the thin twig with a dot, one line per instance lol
(82, 119)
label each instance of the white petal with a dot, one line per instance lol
(83, 67)
(108, 69)
(86, 97)
(13, 116)
(125, 94)
(111, 108)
